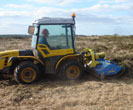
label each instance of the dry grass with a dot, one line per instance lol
(50, 93)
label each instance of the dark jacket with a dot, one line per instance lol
(43, 41)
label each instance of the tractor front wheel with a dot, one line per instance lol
(26, 73)
(71, 70)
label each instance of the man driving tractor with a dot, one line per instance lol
(44, 36)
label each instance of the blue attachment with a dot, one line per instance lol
(107, 68)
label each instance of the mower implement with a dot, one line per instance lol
(102, 68)
(54, 52)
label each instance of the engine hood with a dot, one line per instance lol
(9, 53)
(5, 56)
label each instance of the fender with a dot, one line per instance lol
(74, 56)
(25, 57)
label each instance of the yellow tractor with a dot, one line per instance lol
(54, 52)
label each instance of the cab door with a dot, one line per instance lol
(57, 43)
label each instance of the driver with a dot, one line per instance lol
(43, 38)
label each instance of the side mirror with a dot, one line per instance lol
(31, 30)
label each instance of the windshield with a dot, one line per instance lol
(34, 37)
(56, 36)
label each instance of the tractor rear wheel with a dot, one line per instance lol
(26, 73)
(71, 70)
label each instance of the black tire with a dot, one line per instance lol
(26, 73)
(71, 70)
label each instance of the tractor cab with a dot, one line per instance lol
(53, 36)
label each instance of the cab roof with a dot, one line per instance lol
(48, 20)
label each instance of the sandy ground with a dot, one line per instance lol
(89, 93)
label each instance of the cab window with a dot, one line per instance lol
(56, 36)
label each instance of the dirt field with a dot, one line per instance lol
(89, 93)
